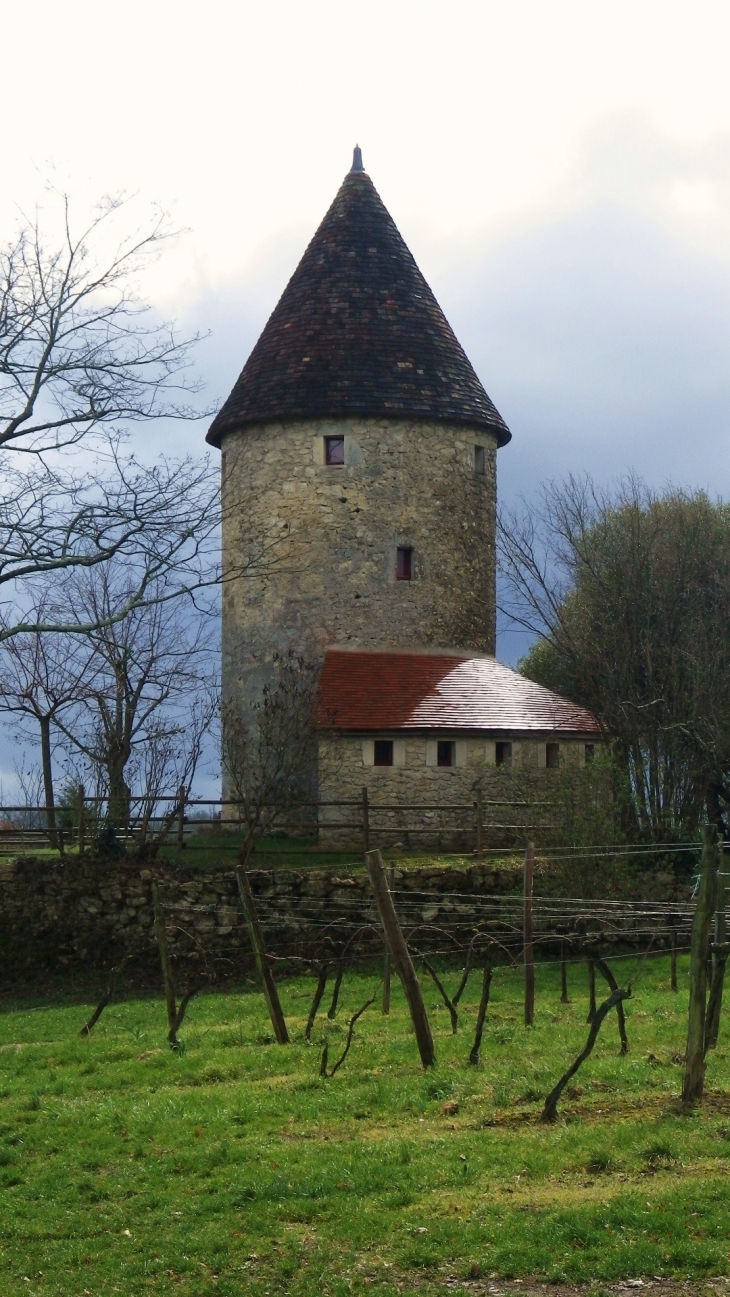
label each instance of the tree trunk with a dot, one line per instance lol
(120, 797)
(694, 1073)
(47, 766)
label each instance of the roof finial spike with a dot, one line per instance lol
(357, 159)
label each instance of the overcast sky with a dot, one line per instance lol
(561, 172)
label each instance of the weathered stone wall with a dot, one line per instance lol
(87, 915)
(514, 798)
(337, 529)
(83, 917)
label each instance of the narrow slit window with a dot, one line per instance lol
(590, 754)
(334, 450)
(383, 755)
(480, 461)
(503, 754)
(404, 563)
(552, 755)
(444, 753)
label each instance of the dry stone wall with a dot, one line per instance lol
(87, 914)
(82, 917)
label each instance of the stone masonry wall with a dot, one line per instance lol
(87, 915)
(516, 800)
(336, 530)
(84, 916)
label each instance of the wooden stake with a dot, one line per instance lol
(365, 822)
(528, 936)
(161, 934)
(82, 819)
(401, 958)
(591, 991)
(694, 1071)
(180, 817)
(386, 968)
(719, 960)
(480, 827)
(271, 995)
(563, 975)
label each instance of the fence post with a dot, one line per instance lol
(402, 961)
(82, 819)
(528, 936)
(271, 995)
(180, 817)
(480, 827)
(365, 822)
(694, 1071)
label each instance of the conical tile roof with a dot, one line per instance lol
(358, 331)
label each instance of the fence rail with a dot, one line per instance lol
(478, 827)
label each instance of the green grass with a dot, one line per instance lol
(233, 1168)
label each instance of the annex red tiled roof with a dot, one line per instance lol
(379, 690)
(358, 332)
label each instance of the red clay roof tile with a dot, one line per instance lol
(389, 690)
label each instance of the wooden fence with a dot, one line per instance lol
(322, 825)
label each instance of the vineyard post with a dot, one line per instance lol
(402, 961)
(180, 817)
(528, 936)
(563, 975)
(365, 822)
(82, 819)
(719, 960)
(591, 991)
(480, 826)
(271, 995)
(694, 1071)
(386, 969)
(167, 978)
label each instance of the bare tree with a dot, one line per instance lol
(83, 358)
(145, 704)
(80, 351)
(41, 678)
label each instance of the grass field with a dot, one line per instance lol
(233, 1168)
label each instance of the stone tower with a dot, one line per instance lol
(360, 445)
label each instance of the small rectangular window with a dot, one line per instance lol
(334, 450)
(383, 752)
(444, 753)
(590, 754)
(480, 461)
(552, 755)
(404, 563)
(503, 754)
